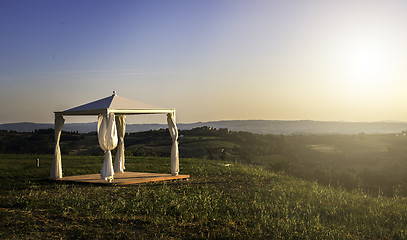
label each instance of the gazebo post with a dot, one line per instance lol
(172, 127)
(107, 137)
(121, 130)
(56, 168)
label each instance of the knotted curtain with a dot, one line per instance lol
(172, 127)
(107, 136)
(121, 130)
(56, 167)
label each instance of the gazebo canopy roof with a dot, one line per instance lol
(115, 104)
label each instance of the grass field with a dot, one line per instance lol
(218, 202)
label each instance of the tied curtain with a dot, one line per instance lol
(56, 168)
(172, 127)
(107, 136)
(121, 130)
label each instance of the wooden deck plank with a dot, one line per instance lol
(124, 178)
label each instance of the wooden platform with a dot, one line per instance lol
(124, 178)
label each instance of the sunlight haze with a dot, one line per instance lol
(211, 60)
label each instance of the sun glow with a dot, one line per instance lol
(365, 66)
(365, 62)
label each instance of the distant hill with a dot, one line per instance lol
(254, 126)
(30, 127)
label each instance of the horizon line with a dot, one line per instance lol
(209, 121)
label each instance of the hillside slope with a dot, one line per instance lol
(220, 201)
(375, 163)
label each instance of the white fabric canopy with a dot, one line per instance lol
(121, 130)
(112, 128)
(172, 127)
(56, 168)
(107, 136)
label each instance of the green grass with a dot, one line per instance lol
(235, 202)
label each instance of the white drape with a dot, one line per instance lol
(121, 130)
(172, 127)
(56, 168)
(107, 136)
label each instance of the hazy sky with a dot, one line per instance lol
(211, 60)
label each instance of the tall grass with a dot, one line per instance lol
(235, 202)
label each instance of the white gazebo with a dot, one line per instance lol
(111, 112)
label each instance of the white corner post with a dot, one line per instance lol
(172, 127)
(107, 136)
(121, 130)
(56, 167)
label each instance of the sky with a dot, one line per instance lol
(210, 60)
